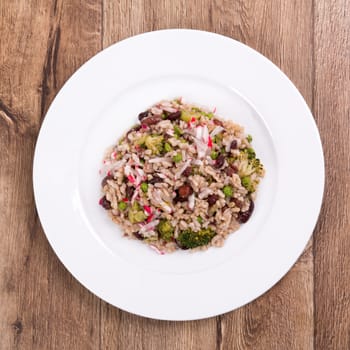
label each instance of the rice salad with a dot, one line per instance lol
(182, 178)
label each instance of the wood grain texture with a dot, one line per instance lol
(41, 44)
(41, 305)
(332, 112)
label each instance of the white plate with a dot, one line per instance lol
(103, 98)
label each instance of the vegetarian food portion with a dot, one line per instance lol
(182, 178)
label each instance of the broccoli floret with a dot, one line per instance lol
(188, 239)
(155, 143)
(249, 138)
(167, 147)
(144, 187)
(249, 164)
(186, 116)
(218, 139)
(247, 183)
(141, 140)
(177, 131)
(122, 206)
(214, 155)
(250, 152)
(228, 191)
(136, 214)
(209, 115)
(200, 219)
(165, 230)
(177, 158)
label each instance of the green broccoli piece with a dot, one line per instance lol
(247, 184)
(218, 139)
(214, 155)
(177, 158)
(167, 147)
(154, 143)
(186, 116)
(177, 130)
(141, 140)
(188, 239)
(122, 206)
(165, 230)
(250, 152)
(228, 191)
(144, 187)
(249, 138)
(200, 219)
(136, 214)
(209, 115)
(248, 163)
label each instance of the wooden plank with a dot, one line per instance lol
(283, 317)
(42, 43)
(273, 321)
(332, 111)
(121, 330)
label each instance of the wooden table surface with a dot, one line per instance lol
(42, 43)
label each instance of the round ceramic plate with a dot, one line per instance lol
(103, 98)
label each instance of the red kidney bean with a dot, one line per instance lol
(183, 192)
(243, 217)
(230, 170)
(155, 179)
(105, 203)
(151, 120)
(212, 198)
(220, 160)
(218, 122)
(143, 115)
(174, 116)
(234, 144)
(138, 235)
(237, 202)
(180, 246)
(129, 192)
(104, 181)
(188, 171)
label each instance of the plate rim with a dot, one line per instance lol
(76, 73)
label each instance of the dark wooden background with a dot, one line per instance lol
(42, 43)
